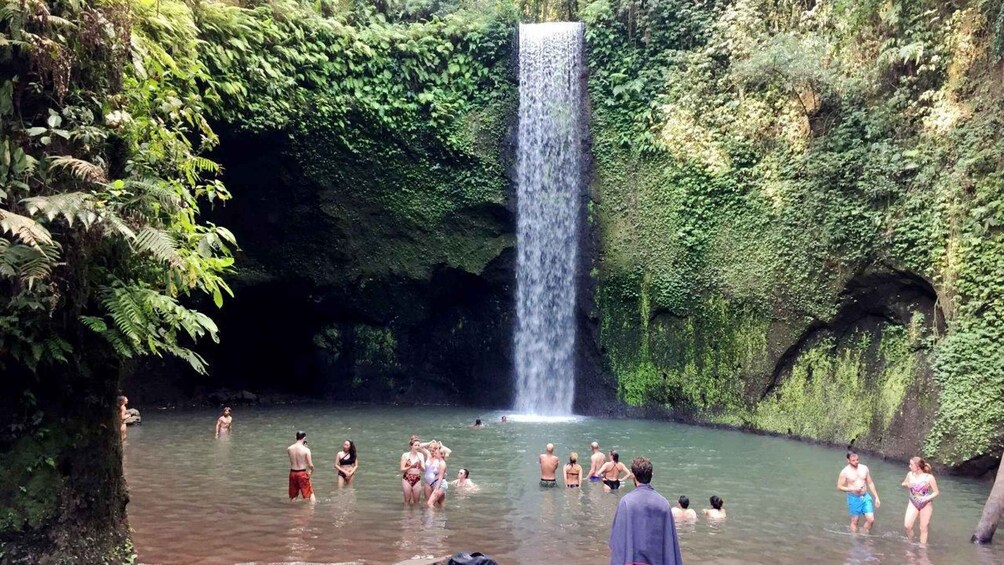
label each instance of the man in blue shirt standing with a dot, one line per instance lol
(643, 530)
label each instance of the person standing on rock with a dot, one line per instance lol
(548, 467)
(301, 466)
(596, 461)
(854, 479)
(224, 424)
(643, 530)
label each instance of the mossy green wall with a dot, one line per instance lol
(756, 162)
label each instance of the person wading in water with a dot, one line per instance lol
(853, 480)
(548, 466)
(300, 468)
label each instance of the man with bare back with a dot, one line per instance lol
(300, 468)
(548, 466)
(853, 480)
(596, 461)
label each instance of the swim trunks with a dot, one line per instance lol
(548, 483)
(594, 479)
(858, 504)
(299, 482)
(614, 485)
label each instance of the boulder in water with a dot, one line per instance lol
(133, 417)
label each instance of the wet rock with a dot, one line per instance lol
(133, 417)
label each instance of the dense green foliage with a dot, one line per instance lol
(102, 181)
(756, 156)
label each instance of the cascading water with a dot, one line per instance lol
(549, 161)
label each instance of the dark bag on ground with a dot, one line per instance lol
(471, 559)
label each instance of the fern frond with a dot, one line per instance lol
(158, 243)
(156, 189)
(25, 229)
(73, 206)
(79, 168)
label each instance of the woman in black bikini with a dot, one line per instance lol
(346, 463)
(573, 471)
(412, 465)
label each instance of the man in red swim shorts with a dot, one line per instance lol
(300, 468)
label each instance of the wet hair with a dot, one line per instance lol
(615, 456)
(684, 502)
(122, 400)
(851, 452)
(477, 422)
(641, 468)
(716, 502)
(300, 435)
(573, 458)
(467, 474)
(921, 464)
(226, 409)
(352, 448)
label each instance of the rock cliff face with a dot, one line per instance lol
(380, 275)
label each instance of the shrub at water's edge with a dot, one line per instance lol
(771, 182)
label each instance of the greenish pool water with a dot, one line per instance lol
(195, 499)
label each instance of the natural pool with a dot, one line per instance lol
(195, 499)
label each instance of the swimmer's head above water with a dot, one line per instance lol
(550, 448)
(301, 435)
(573, 458)
(684, 502)
(463, 474)
(716, 502)
(614, 456)
(594, 446)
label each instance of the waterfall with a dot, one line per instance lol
(549, 176)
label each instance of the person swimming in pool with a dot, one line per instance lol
(572, 471)
(611, 471)
(412, 465)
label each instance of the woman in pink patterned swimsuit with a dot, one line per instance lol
(922, 488)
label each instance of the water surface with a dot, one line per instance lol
(197, 500)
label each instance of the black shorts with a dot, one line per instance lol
(614, 485)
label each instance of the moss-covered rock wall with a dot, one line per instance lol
(798, 205)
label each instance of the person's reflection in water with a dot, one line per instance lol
(343, 507)
(916, 555)
(301, 535)
(862, 550)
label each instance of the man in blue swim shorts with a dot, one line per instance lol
(853, 480)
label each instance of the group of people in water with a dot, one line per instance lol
(612, 473)
(856, 481)
(423, 475)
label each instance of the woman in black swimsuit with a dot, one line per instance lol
(346, 463)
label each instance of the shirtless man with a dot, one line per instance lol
(123, 414)
(300, 468)
(224, 424)
(596, 460)
(548, 466)
(852, 480)
(611, 471)
(684, 514)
